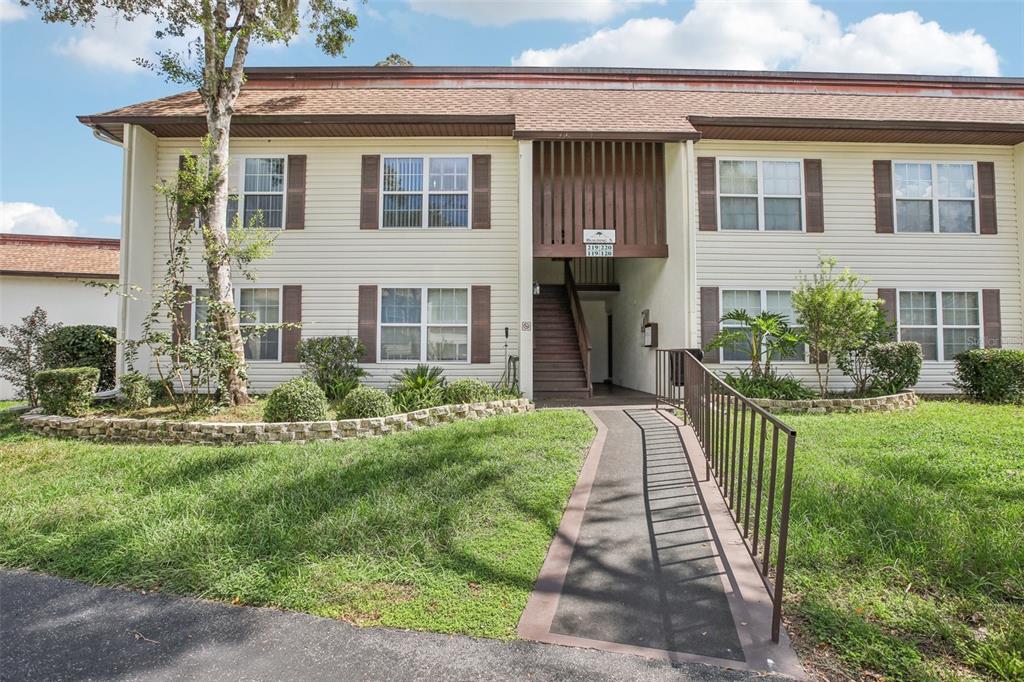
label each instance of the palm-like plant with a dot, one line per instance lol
(418, 377)
(765, 335)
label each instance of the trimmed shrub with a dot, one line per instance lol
(330, 361)
(895, 366)
(136, 392)
(991, 375)
(770, 386)
(417, 398)
(296, 400)
(365, 402)
(67, 391)
(468, 391)
(82, 345)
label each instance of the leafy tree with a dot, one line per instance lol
(23, 359)
(834, 313)
(214, 65)
(394, 59)
(855, 362)
(765, 335)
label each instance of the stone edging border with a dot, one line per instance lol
(904, 400)
(166, 431)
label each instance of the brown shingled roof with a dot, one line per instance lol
(670, 108)
(42, 256)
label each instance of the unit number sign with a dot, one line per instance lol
(600, 250)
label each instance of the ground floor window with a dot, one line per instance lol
(424, 324)
(943, 322)
(755, 301)
(256, 306)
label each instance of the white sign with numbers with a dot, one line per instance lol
(600, 250)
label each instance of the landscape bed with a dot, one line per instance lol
(442, 529)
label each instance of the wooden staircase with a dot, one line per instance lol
(559, 367)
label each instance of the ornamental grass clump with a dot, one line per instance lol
(67, 392)
(296, 400)
(365, 402)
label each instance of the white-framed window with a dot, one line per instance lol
(256, 306)
(761, 194)
(943, 322)
(260, 190)
(754, 301)
(424, 324)
(425, 191)
(935, 196)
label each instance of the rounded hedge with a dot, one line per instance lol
(991, 375)
(365, 402)
(464, 391)
(68, 391)
(82, 345)
(297, 400)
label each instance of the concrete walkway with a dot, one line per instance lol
(647, 560)
(54, 629)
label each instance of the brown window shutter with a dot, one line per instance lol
(181, 329)
(480, 353)
(883, 197)
(184, 219)
(987, 197)
(368, 321)
(291, 313)
(481, 192)
(813, 195)
(889, 303)
(822, 356)
(707, 194)
(369, 197)
(991, 321)
(296, 216)
(709, 316)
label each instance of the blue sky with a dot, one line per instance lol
(56, 178)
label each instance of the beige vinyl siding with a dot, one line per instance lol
(331, 257)
(774, 260)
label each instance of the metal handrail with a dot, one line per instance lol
(730, 428)
(582, 335)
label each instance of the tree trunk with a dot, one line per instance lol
(218, 265)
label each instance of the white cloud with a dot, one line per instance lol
(113, 43)
(22, 217)
(111, 219)
(503, 12)
(12, 10)
(787, 35)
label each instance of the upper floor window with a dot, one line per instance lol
(943, 322)
(418, 191)
(256, 306)
(261, 192)
(424, 324)
(754, 301)
(935, 197)
(760, 195)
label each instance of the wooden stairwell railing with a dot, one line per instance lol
(580, 323)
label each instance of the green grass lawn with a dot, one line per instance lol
(443, 529)
(907, 543)
(4, 404)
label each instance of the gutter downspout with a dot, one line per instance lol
(691, 245)
(104, 136)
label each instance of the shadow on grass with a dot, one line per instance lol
(249, 522)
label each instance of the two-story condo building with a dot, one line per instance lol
(578, 218)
